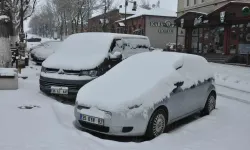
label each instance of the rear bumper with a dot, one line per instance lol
(73, 85)
(37, 60)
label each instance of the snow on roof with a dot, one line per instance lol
(82, 51)
(153, 12)
(198, 12)
(124, 86)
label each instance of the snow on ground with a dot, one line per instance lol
(50, 125)
(233, 81)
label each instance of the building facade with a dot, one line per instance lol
(157, 24)
(214, 26)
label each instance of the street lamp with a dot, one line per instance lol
(133, 9)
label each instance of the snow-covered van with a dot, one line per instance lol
(85, 56)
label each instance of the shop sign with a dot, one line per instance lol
(164, 27)
(248, 37)
(244, 48)
(182, 22)
(222, 16)
(165, 31)
(167, 24)
(198, 21)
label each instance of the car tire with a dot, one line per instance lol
(210, 105)
(157, 124)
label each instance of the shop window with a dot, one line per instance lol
(195, 2)
(187, 2)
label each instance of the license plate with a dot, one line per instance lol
(59, 90)
(92, 120)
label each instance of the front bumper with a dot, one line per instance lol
(116, 125)
(73, 85)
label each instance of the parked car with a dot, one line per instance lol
(85, 56)
(145, 93)
(43, 52)
(34, 39)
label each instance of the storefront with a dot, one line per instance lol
(223, 31)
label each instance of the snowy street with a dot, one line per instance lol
(50, 125)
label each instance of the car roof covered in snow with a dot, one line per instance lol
(84, 50)
(144, 79)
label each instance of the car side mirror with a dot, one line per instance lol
(179, 84)
(115, 55)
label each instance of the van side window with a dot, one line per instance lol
(135, 45)
(116, 46)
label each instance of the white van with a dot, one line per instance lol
(84, 57)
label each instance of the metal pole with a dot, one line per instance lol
(21, 22)
(2, 7)
(125, 22)
(177, 34)
(198, 42)
(104, 17)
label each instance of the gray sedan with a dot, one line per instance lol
(146, 100)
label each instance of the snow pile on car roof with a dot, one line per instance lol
(88, 49)
(83, 51)
(143, 80)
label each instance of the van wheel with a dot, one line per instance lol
(157, 124)
(210, 105)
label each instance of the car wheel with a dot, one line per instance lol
(210, 105)
(157, 124)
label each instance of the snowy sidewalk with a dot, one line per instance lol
(233, 81)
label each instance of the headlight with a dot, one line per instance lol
(135, 106)
(92, 73)
(43, 69)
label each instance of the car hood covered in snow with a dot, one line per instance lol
(81, 51)
(43, 52)
(144, 80)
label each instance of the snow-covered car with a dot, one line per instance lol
(141, 97)
(43, 52)
(85, 56)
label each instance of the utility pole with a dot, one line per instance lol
(133, 9)
(104, 17)
(21, 22)
(125, 22)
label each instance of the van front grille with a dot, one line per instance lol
(49, 84)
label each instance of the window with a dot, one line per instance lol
(202, 1)
(187, 2)
(195, 2)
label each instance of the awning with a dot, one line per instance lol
(189, 18)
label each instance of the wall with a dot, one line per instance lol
(160, 36)
(94, 24)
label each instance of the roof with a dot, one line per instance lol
(235, 3)
(153, 12)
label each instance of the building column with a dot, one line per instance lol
(188, 40)
(226, 44)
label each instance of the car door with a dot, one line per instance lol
(176, 104)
